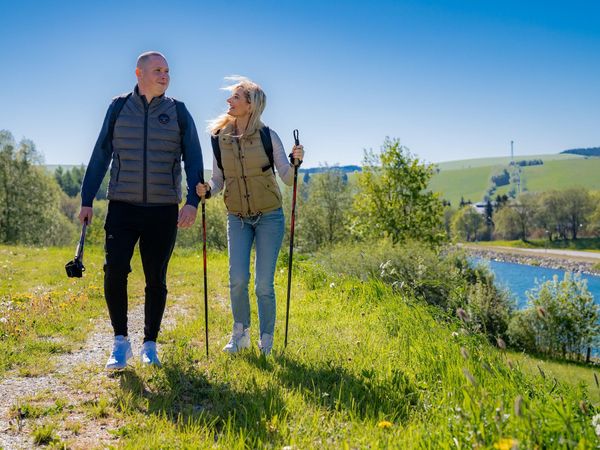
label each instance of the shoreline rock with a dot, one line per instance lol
(550, 262)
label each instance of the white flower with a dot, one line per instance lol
(332, 285)
(3, 320)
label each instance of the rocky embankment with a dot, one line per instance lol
(520, 256)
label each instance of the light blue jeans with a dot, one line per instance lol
(266, 231)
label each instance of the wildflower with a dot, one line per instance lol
(518, 405)
(462, 314)
(332, 285)
(501, 343)
(541, 312)
(596, 424)
(507, 444)
(454, 334)
(3, 320)
(384, 424)
(469, 376)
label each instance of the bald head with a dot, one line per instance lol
(146, 56)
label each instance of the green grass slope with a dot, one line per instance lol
(365, 367)
(470, 179)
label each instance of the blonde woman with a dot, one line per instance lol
(245, 166)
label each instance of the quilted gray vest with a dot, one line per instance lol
(146, 163)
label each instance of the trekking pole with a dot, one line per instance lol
(205, 282)
(292, 223)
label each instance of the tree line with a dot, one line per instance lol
(554, 215)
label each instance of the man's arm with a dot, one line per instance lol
(194, 171)
(96, 169)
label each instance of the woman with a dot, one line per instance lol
(243, 166)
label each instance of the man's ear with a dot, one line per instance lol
(138, 71)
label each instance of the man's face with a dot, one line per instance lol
(153, 76)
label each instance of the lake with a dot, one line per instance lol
(520, 278)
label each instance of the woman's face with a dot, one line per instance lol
(238, 105)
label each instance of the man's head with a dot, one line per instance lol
(152, 72)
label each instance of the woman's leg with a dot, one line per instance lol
(269, 235)
(240, 236)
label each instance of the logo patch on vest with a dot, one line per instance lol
(164, 119)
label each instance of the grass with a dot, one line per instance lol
(366, 367)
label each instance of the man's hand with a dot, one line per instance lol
(187, 216)
(86, 212)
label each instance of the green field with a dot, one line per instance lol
(366, 367)
(470, 179)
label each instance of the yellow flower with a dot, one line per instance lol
(506, 444)
(384, 424)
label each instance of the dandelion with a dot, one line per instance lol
(507, 444)
(384, 424)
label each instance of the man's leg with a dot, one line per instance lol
(156, 246)
(121, 237)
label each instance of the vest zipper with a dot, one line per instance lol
(145, 187)
(244, 175)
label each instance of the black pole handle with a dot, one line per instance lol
(296, 137)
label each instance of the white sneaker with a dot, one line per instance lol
(149, 354)
(121, 352)
(265, 343)
(240, 339)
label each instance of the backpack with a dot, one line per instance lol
(120, 101)
(265, 137)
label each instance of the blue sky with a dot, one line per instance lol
(450, 79)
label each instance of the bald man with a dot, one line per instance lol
(144, 138)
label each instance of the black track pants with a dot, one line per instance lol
(156, 229)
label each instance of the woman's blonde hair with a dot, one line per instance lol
(254, 95)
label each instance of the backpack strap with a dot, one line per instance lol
(118, 104)
(182, 116)
(265, 137)
(214, 140)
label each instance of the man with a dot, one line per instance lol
(145, 136)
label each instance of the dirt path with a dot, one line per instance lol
(76, 388)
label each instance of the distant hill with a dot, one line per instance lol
(592, 151)
(344, 169)
(471, 179)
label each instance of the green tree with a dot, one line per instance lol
(561, 319)
(29, 198)
(394, 199)
(578, 208)
(325, 211)
(506, 223)
(467, 224)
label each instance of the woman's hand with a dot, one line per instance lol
(202, 189)
(297, 154)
